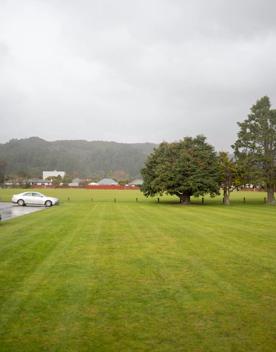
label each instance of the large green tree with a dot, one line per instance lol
(185, 168)
(255, 148)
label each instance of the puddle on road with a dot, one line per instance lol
(10, 211)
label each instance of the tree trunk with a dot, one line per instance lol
(270, 194)
(226, 197)
(185, 199)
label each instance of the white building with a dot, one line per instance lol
(54, 173)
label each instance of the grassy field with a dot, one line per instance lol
(95, 275)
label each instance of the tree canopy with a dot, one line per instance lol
(185, 168)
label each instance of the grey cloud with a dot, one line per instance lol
(134, 70)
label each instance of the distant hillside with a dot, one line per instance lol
(77, 157)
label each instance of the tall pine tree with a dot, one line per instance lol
(255, 148)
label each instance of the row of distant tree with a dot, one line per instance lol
(192, 167)
(28, 158)
(3, 166)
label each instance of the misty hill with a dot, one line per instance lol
(77, 157)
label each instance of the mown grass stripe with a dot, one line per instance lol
(129, 276)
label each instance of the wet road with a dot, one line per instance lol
(9, 210)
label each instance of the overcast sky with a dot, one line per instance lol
(134, 71)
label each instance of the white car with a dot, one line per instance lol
(34, 198)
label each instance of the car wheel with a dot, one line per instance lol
(20, 202)
(48, 203)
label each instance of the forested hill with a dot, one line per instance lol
(77, 157)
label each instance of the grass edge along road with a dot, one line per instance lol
(126, 276)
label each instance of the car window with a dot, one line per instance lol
(27, 194)
(35, 194)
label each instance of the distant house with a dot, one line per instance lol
(138, 182)
(9, 183)
(92, 184)
(107, 182)
(55, 173)
(39, 182)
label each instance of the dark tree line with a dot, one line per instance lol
(27, 158)
(3, 166)
(192, 167)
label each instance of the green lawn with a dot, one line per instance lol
(95, 275)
